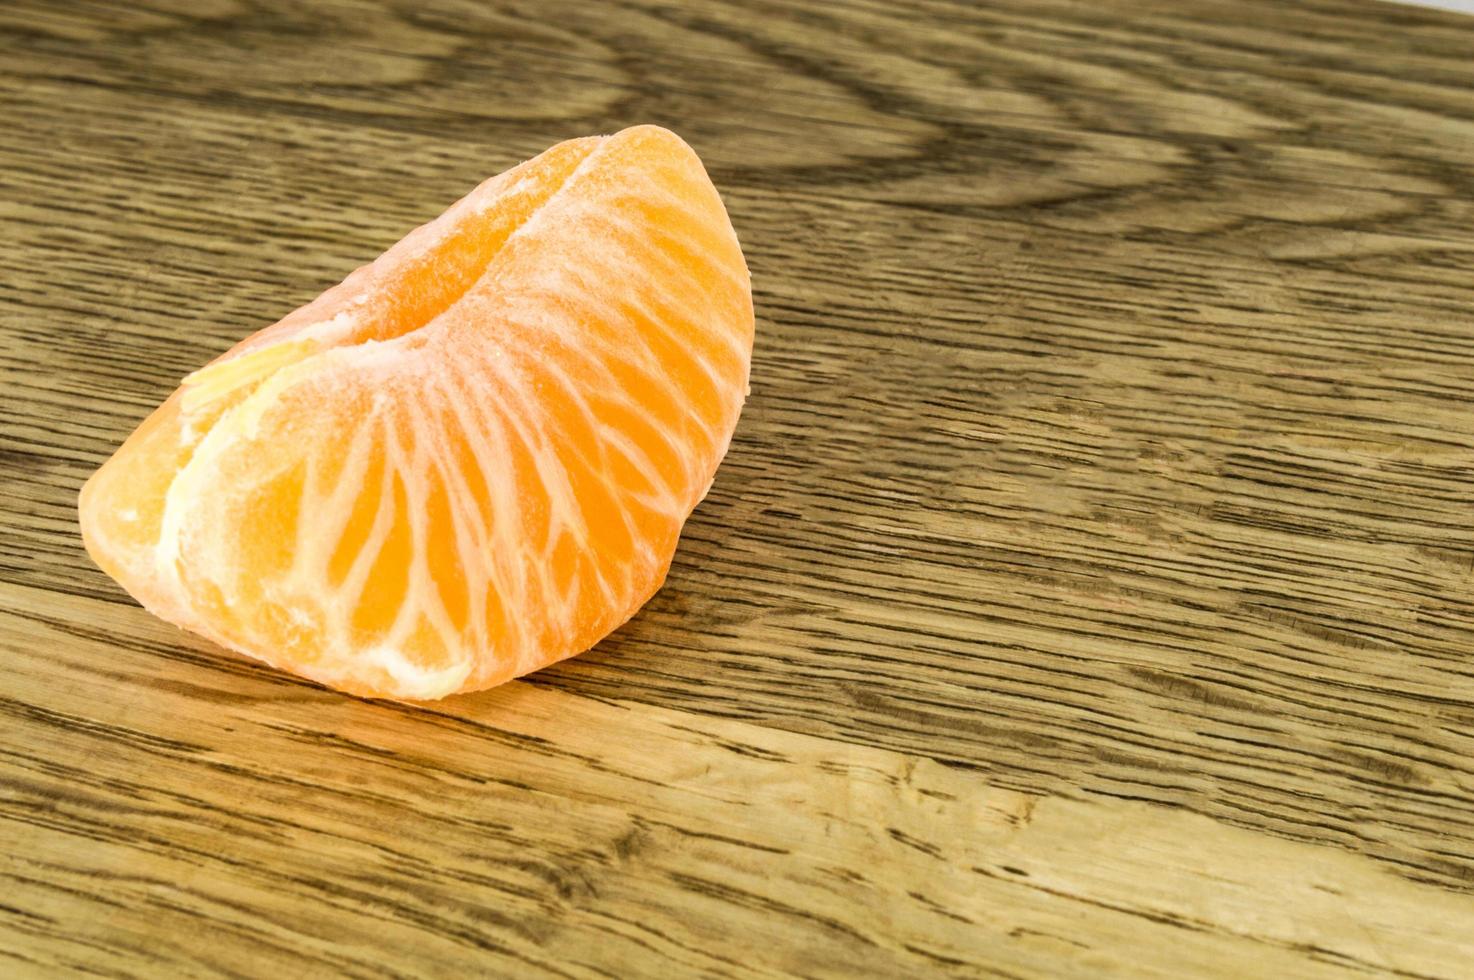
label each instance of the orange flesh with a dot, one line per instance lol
(470, 459)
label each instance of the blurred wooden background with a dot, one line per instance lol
(1089, 589)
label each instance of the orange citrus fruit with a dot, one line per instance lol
(470, 459)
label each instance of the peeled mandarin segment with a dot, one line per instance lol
(469, 460)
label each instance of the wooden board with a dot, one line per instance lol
(1089, 590)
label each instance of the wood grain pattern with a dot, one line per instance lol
(1089, 590)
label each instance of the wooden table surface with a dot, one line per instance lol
(1089, 590)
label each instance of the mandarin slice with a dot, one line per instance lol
(470, 459)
